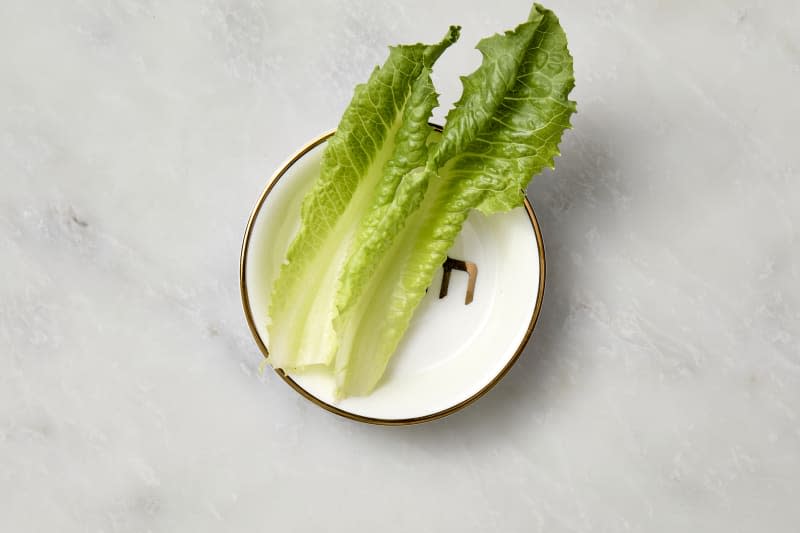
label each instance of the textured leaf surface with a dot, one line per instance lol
(505, 128)
(391, 200)
(301, 302)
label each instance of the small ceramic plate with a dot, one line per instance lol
(469, 329)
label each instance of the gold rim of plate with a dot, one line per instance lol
(332, 408)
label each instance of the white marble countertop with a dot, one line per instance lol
(660, 391)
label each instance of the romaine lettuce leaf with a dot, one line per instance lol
(301, 309)
(505, 128)
(359, 279)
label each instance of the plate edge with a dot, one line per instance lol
(347, 414)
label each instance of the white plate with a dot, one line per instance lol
(453, 352)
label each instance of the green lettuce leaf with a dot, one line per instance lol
(301, 308)
(505, 128)
(392, 197)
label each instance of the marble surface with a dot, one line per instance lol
(661, 389)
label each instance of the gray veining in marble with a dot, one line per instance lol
(661, 389)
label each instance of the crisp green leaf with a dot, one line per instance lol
(505, 128)
(398, 193)
(390, 201)
(301, 303)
